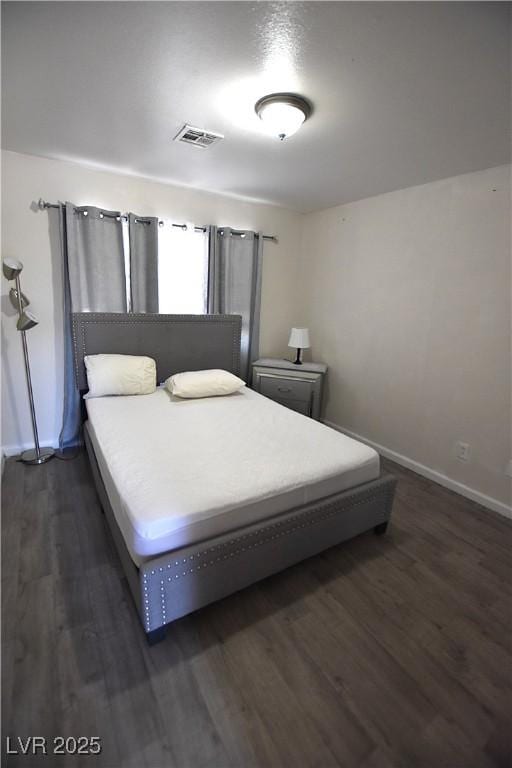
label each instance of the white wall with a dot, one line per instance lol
(25, 236)
(408, 297)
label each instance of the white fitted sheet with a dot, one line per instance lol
(180, 471)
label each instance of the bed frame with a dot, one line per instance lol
(178, 582)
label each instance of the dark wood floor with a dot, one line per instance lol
(383, 652)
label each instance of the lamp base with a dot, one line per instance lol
(31, 457)
(297, 360)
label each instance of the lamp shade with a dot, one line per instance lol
(13, 296)
(26, 321)
(12, 268)
(299, 338)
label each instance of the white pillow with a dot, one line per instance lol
(209, 383)
(120, 375)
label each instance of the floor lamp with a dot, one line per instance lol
(26, 320)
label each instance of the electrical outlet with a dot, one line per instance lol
(508, 470)
(463, 451)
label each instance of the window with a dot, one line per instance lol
(182, 270)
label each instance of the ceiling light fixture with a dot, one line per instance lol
(283, 113)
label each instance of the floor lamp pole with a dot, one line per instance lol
(35, 455)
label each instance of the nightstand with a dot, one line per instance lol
(299, 387)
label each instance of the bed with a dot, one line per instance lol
(204, 497)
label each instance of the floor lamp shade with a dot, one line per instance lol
(299, 338)
(26, 320)
(12, 268)
(13, 296)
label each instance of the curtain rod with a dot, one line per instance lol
(42, 204)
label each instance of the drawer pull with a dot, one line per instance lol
(284, 389)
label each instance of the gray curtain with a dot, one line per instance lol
(143, 263)
(94, 281)
(96, 260)
(234, 285)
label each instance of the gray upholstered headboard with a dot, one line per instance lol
(176, 342)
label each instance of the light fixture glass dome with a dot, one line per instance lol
(283, 113)
(282, 120)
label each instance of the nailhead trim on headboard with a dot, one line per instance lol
(83, 320)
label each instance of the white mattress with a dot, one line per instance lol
(180, 471)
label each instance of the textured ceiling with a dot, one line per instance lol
(403, 93)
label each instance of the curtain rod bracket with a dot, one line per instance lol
(43, 205)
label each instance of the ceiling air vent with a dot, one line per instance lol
(198, 137)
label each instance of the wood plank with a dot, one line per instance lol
(84, 708)
(34, 708)
(264, 688)
(190, 733)
(385, 623)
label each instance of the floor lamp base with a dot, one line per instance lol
(31, 457)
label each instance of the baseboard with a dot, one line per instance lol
(431, 474)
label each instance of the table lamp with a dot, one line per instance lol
(299, 338)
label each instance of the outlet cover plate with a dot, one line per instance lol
(463, 451)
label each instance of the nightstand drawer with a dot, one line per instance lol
(301, 406)
(298, 387)
(281, 388)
